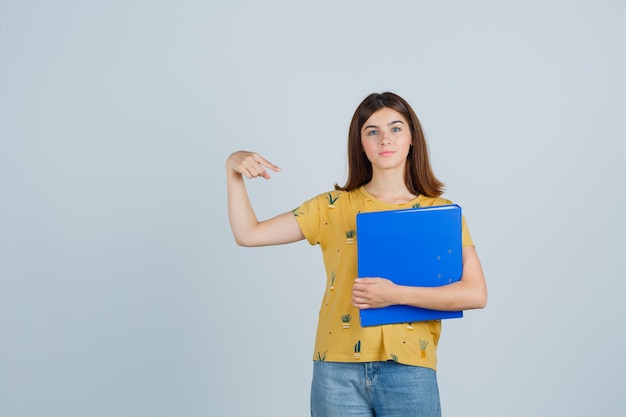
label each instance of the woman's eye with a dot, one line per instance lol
(395, 129)
(372, 132)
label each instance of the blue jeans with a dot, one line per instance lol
(380, 389)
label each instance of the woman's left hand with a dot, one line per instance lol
(373, 293)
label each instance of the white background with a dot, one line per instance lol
(122, 292)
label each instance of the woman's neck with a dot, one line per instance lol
(389, 191)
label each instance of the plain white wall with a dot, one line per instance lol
(122, 292)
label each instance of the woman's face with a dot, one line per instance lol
(386, 139)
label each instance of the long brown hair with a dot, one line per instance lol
(418, 174)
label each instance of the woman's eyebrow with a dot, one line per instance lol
(388, 124)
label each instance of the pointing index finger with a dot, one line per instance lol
(267, 164)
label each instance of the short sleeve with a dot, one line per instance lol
(466, 238)
(308, 217)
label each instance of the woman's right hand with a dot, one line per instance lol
(250, 164)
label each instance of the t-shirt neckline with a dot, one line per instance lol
(408, 204)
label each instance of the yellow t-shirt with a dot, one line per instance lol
(329, 220)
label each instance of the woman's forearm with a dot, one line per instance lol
(241, 215)
(452, 297)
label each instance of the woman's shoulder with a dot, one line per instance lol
(333, 197)
(336, 199)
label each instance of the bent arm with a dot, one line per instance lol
(470, 292)
(246, 228)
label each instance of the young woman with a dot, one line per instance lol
(384, 370)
